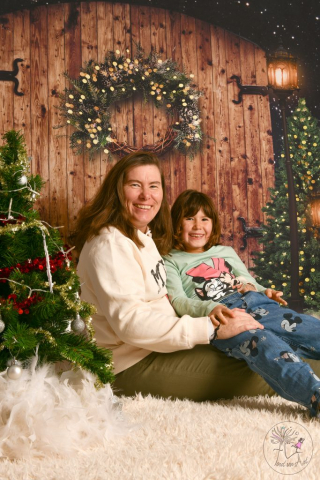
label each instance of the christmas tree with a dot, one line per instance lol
(272, 265)
(41, 312)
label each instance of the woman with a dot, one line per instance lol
(122, 274)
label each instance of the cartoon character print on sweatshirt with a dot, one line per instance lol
(218, 280)
(290, 323)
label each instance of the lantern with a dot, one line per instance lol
(282, 71)
(315, 210)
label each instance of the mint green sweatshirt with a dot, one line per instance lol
(196, 282)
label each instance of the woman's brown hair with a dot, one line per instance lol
(108, 207)
(187, 204)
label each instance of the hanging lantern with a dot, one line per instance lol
(282, 71)
(315, 210)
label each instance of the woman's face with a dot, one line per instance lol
(143, 195)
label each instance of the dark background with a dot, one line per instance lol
(265, 22)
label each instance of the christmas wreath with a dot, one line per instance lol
(86, 105)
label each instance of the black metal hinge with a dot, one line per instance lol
(254, 232)
(10, 76)
(248, 89)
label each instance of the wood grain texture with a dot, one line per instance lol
(119, 38)
(177, 161)
(75, 163)
(266, 142)
(39, 105)
(207, 163)
(57, 142)
(21, 49)
(190, 64)
(161, 120)
(235, 166)
(89, 51)
(252, 142)
(237, 146)
(6, 60)
(221, 111)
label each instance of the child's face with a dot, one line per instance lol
(196, 232)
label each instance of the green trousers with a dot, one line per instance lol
(203, 373)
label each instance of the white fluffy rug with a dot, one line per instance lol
(43, 414)
(173, 440)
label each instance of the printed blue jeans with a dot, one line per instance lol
(275, 352)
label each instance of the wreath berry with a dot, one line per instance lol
(86, 105)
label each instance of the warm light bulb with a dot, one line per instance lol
(281, 76)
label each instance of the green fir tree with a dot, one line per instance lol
(272, 265)
(39, 303)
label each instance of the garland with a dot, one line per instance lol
(23, 307)
(86, 105)
(30, 265)
(11, 220)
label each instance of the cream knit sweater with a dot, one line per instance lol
(127, 285)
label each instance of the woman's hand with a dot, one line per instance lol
(275, 295)
(241, 322)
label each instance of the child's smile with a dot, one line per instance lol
(196, 231)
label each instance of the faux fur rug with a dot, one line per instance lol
(173, 440)
(43, 414)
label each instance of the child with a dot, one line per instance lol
(206, 278)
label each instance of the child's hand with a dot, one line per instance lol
(245, 287)
(275, 295)
(221, 314)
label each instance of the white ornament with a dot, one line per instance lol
(22, 180)
(14, 372)
(2, 325)
(78, 324)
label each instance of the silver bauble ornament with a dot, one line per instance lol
(2, 325)
(78, 324)
(14, 372)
